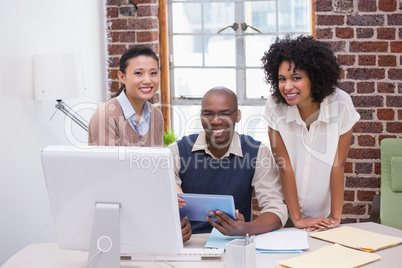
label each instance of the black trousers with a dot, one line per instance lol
(289, 223)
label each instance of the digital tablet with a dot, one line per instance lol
(198, 206)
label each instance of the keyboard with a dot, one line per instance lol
(188, 254)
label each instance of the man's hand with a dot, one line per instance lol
(185, 229)
(181, 202)
(226, 225)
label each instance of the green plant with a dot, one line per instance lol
(168, 137)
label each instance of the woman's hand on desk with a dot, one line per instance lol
(334, 223)
(316, 224)
(185, 229)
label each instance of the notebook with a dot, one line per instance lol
(331, 256)
(358, 238)
(198, 206)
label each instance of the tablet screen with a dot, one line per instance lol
(198, 206)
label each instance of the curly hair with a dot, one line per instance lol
(312, 56)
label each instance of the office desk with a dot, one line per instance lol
(49, 255)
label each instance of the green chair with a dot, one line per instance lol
(391, 183)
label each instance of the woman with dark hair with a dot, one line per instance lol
(129, 119)
(310, 125)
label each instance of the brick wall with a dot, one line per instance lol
(130, 22)
(366, 36)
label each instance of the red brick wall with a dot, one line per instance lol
(130, 22)
(366, 36)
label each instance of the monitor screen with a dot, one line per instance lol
(96, 192)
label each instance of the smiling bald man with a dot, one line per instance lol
(220, 161)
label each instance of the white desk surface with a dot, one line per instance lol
(50, 255)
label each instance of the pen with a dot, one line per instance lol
(247, 239)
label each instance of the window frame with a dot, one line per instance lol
(168, 97)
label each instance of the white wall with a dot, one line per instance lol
(27, 28)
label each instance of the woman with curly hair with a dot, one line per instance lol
(310, 125)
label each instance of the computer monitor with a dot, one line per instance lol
(113, 201)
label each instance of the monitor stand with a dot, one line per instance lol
(104, 249)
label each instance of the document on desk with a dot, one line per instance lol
(358, 238)
(282, 241)
(331, 256)
(218, 240)
(279, 241)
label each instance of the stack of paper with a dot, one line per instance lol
(332, 256)
(289, 241)
(358, 239)
(280, 241)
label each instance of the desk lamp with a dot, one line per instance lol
(60, 76)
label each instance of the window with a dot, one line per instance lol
(220, 43)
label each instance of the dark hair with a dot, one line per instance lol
(133, 52)
(312, 56)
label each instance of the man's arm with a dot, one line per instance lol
(266, 222)
(268, 192)
(267, 186)
(176, 161)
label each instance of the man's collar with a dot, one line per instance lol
(234, 147)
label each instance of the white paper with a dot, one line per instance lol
(283, 240)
